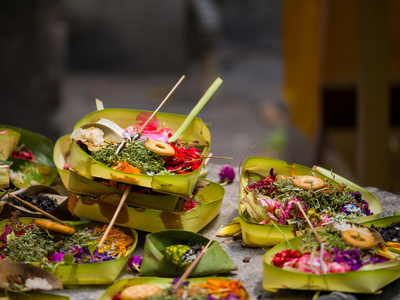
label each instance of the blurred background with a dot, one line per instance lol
(303, 81)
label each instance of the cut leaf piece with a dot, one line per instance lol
(8, 141)
(5, 174)
(62, 158)
(156, 263)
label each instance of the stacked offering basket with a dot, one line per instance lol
(151, 211)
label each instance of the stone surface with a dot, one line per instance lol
(250, 272)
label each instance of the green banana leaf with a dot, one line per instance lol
(123, 283)
(256, 168)
(8, 141)
(182, 184)
(155, 263)
(78, 184)
(61, 157)
(90, 273)
(41, 171)
(152, 220)
(361, 281)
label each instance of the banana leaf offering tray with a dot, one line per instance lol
(347, 257)
(69, 251)
(107, 144)
(193, 214)
(274, 195)
(161, 288)
(169, 253)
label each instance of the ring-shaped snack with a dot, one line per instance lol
(160, 148)
(358, 239)
(52, 226)
(307, 182)
(140, 291)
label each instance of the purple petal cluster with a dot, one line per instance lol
(350, 257)
(3, 238)
(264, 186)
(135, 262)
(58, 256)
(83, 255)
(226, 174)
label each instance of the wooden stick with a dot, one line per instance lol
(162, 103)
(309, 223)
(195, 262)
(121, 202)
(35, 208)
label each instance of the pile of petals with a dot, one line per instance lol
(186, 159)
(211, 289)
(23, 154)
(222, 289)
(278, 199)
(336, 256)
(151, 131)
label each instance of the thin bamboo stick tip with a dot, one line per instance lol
(162, 103)
(111, 224)
(195, 262)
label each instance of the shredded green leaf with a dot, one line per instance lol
(135, 154)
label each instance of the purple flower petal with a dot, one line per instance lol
(226, 174)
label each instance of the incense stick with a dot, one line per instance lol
(121, 202)
(195, 262)
(162, 103)
(35, 208)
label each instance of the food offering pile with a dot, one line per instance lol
(147, 153)
(280, 200)
(323, 202)
(62, 249)
(350, 251)
(149, 288)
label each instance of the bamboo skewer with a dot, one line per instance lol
(195, 262)
(121, 202)
(158, 108)
(35, 208)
